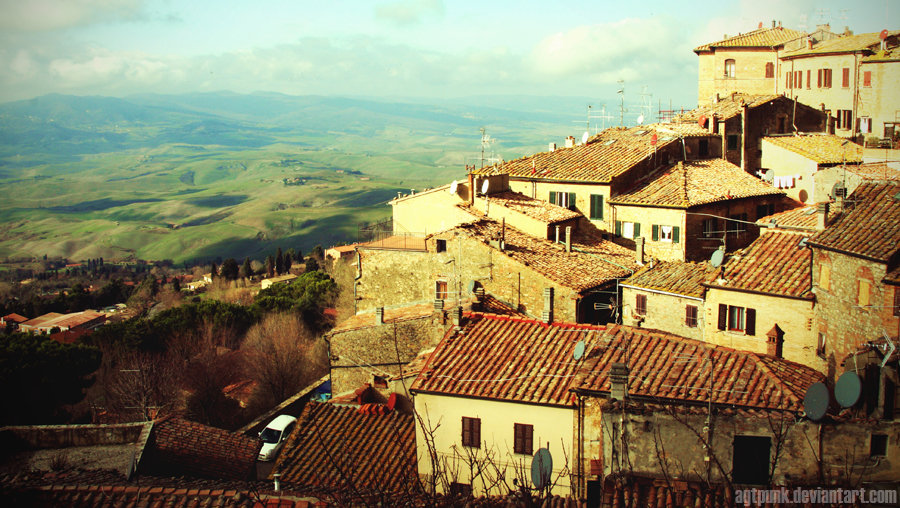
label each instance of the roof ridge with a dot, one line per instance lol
(772, 375)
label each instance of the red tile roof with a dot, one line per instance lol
(876, 170)
(871, 228)
(507, 359)
(14, 318)
(696, 183)
(819, 148)
(40, 320)
(665, 368)
(198, 450)
(337, 447)
(139, 497)
(534, 208)
(774, 263)
(605, 156)
(848, 44)
(592, 262)
(803, 217)
(70, 336)
(727, 107)
(762, 38)
(672, 277)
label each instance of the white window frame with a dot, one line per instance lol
(737, 316)
(627, 229)
(665, 234)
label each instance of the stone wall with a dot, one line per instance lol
(666, 312)
(880, 102)
(749, 74)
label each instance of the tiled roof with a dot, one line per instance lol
(591, 263)
(606, 155)
(727, 107)
(142, 497)
(507, 359)
(673, 277)
(696, 183)
(820, 148)
(761, 38)
(14, 318)
(534, 208)
(893, 276)
(774, 263)
(63, 320)
(847, 44)
(70, 336)
(872, 228)
(367, 320)
(338, 447)
(666, 368)
(40, 320)
(198, 450)
(876, 171)
(801, 217)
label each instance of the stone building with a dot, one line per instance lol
(794, 162)
(840, 181)
(856, 272)
(687, 211)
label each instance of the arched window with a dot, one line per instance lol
(729, 68)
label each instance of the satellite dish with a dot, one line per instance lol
(702, 121)
(485, 186)
(541, 468)
(883, 35)
(815, 403)
(717, 257)
(454, 186)
(579, 350)
(769, 176)
(392, 401)
(471, 287)
(641, 120)
(760, 24)
(654, 139)
(848, 389)
(584, 137)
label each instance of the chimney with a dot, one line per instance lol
(479, 298)
(438, 305)
(547, 313)
(839, 193)
(618, 380)
(568, 238)
(570, 142)
(557, 234)
(456, 316)
(822, 216)
(775, 343)
(714, 123)
(779, 25)
(379, 316)
(552, 147)
(471, 189)
(503, 234)
(717, 98)
(773, 23)
(809, 43)
(639, 250)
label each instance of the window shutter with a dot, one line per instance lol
(637, 229)
(618, 228)
(675, 234)
(466, 431)
(750, 328)
(827, 78)
(655, 232)
(787, 80)
(845, 77)
(553, 197)
(518, 438)
(819, 80)
(897, 301)
(867, 78)
(476, 432)
(723, 316)
(808, 79)
(572, 201)
(799, 79)
(529, 439)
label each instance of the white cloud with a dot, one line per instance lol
(409, 12)
(45, 15)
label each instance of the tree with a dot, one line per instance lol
(318, 253)
(176, 285)
(213, 271)
(308, 296)
(287, 262)
(270, 266)
(230, 269)
(247, 269)
(311, 264)
(279, 262)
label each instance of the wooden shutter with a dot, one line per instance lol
(571, 201)
(827, 78)
(553, 197)
(676, 234)
(655, 229)
(466, 431)
(897, 301)
(799, 79)
(637, 230)
(690, 316)
(529, 439)
(819, 80)
(476, 432)
(518, 438)
(750, 322)
(597, 206)
(641, 305)
(618, 228)
(845, 77)
(867, 78)
(723, 316)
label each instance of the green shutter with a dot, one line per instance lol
(637, 229)
(553, 197)
(572, 201)
(599, 206)
(618, 228)
(675, 234)
(655, 233)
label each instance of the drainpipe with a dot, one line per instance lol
(855, 96)
(358, 276)
(794, 117)
(744, 126)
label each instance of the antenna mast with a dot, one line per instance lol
(646, 104)
(622, 109)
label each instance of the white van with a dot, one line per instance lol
(274, 436)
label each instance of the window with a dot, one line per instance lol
(666, 233)
(737, 319)
(867, 78)
(878, 445)
(460, 489)
(523, 438)
(440, 290)
(640, 305)
(845, 77)
(733, 142)
(820, 346)
(738, 224)
(764, 210)
(808, 79)
(799, 80)
(729, 68)
(597, 206)
(710, 228)
(844, 119)
(471, 432)
(704, 148)
(379, 382)
(863, 297)
(770, 70)
(864, 125)
(824, 80)
(563, 199)
(751, 460)
(628, 229)
(690, 316)
(441, 246)
(825, 277)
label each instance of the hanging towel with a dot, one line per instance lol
(789, 182)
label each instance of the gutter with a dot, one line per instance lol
(810, 297)
(699, 299)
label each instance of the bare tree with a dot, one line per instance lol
(138, 386)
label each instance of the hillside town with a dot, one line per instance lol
(666, 314)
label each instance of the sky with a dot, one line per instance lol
(405, 48)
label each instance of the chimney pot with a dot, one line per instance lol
(639, 250)
(809, 43)
(775, 342)
(379, 316)
(570, 142)
(557, 234)
(822, 216)
(773, 23)
(568, 238)
(552, 146)
(618, 380)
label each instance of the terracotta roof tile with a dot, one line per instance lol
(534, 208)
(673, 277)
(696, 183)
(198, 450)
(803, 217)
(820, 148)
(876, 171)
(666, 368)
(605, 156)
(761, 38)
(507, 359)
(774, 263)
(727, 107)
(14, 318)
(83, 496)
(592, 262)
(871, 227)
(846, 44)
(337, 447)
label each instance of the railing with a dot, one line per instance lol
(397, 240)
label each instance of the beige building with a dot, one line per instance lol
(793, 162)
(849, 177)
(283, 279)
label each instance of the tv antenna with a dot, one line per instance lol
(486, 141)
(604, 116)
(589, 116)
(803, 26)
(843, 15)
(822, 14)
(622, 109)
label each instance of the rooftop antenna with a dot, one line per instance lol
(485, 141)
(622, 109)
(822, 14)
(843, 16)
(604, 116)
(646, 104)
(588, 127)
(802, 26)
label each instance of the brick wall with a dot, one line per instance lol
(749, 75)
(666, 312)
(880, 102)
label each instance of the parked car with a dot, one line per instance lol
(274, 436)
